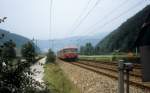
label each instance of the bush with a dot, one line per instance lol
(51, 57)
(16, 79)
(28, 52)
(7, 50)
(15, 75)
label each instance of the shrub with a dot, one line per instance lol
(28, 52)
(7, 50)
(15, 74)
(51, 57)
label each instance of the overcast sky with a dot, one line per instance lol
(31, 18)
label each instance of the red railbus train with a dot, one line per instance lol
(68, 54)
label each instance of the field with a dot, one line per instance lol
(58, 82)
(110, 58)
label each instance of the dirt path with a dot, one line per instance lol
(38, 70)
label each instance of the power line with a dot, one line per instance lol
(82, 13)
(50, 32)
(110, 13)
(115, 18)
(81, 21)
(128, 10)
(85, 8)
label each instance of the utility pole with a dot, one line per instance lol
(50, 41)
(121, 77)
(124, 67)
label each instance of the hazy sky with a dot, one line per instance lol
(31, 18)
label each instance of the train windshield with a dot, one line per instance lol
(70, 50)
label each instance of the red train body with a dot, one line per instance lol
(68, 54)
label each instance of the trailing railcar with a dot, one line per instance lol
(68, 54)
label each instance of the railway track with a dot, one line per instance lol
(136, 66)
(110, 70)
(113, 67)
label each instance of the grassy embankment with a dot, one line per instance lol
(58, 82)
(110, 58)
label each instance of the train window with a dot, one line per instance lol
(69, 50)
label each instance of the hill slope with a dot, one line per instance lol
(19, 40)
(123, 37)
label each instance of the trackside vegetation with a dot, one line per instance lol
(56, 80)
(51, 57)
(14, 72)
(110, 58)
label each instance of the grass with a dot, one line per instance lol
(96, 58)
(109, 58)
(58, 82)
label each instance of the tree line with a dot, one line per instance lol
(88, 49)
(14, 72)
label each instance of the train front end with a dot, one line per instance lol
(68, 54)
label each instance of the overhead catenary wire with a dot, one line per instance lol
(82, 20)
(82, 13)
(110, 13)
(107, 15)
(78, 18)
(85, 16)
(115, 18)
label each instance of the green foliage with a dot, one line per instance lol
(110, 58)
(51, 57)
(28, 52)
(19, 40)
(14, 79)
(123, 38)
(7, 50)
(88, 49)
(15, 74)
(58, 82)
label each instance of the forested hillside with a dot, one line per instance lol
(19, 40)
(124, 36)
